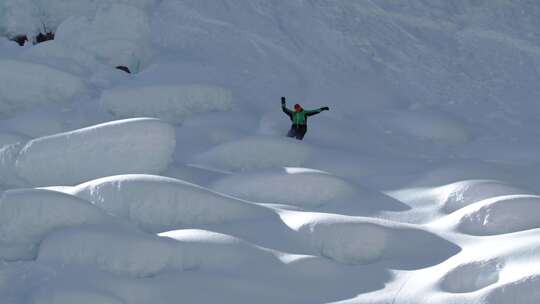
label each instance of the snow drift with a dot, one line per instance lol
(472, 276)
(254, 153)
(307, 188)
(118, 35)
(30, 17)
(172, 103)
(500, 215)
(158, 203)
(357, 240)
(294, 186)
(125, 146)
(25, 85)
(137, 254)
(28, 215)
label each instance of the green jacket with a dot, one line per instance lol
(300, 118)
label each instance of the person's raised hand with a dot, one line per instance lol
(325, 108)
(283, 100)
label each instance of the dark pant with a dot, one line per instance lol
(297, 131)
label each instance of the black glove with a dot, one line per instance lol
(325, 109)
(283, 100)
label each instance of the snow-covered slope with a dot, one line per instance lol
(420, 185)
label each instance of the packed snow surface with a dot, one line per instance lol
(420, 185)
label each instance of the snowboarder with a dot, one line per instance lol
(299, 118)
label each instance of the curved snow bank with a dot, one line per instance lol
(118, 35)
(27, 85)
(111, 249)
(138, 254)
(160, 203)
(7, 138)
(523, 291)
(126, 146)
(357, 240)
(458, 195)
(8, 172)
(27, 216)
(500, 215)
(211, 250)
(294, 186)
(254, 153)
(471, 276)
(169, 102)
(306, 188)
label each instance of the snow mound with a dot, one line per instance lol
(458, 195)
(522, 291)
(27, 85)
(160, 203)
(119, 251)
(294, 186)
(169, 102)
(7, 138)
(30, 17)
(226, 252)
(127, 252)
(472, 276)
(429, 125)
(70, 296)
(73, 60)
(141, 145)
(28, 215)
(254, 153)
(8, 158)
(357, 240)
(499, 215)
(307, 188)
(118, 35)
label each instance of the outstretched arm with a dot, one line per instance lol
(317, 111)
(284, 108)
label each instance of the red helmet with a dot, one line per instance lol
(297, 107)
